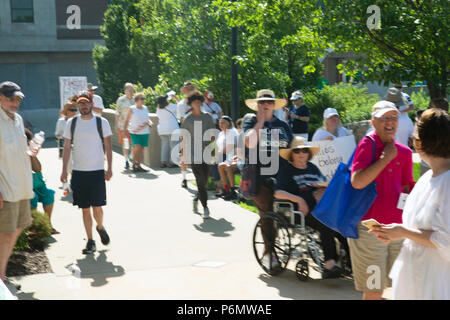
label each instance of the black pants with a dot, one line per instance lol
(201, 172)
(327, 236)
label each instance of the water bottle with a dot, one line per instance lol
(36, 143)
(66, 188)
(126, 144)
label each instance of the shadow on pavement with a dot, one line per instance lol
(26, 296)
(290, 287)
(140, 175)
(217, 228)
(98, 269)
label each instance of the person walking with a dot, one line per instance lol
(97, 101)
(264, 124)
(405, 130)
(16, 184)
(91, 138)
(422, 269)
(332, 127)
(391, 169)
(182, 111)
(138, 124)
(299, 115)
(192, 148)
(167, 125)
(123, 104)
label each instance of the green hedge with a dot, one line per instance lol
(35, 237)
(352, 102)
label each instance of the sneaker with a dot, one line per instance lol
(103, 235)
(184, 183)
(205, 213)
(127, 165)
(266, 261)
(135, 168)
(230, 196)
(333, 273)
(90, 247)
(195, 205)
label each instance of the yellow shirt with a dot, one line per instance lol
(16, 182)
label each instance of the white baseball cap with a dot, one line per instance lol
(329, 112)
(381, 107)
(296, 95)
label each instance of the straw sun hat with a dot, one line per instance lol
(298, 143)
(265, 94)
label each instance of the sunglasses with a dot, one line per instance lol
(301, 150)
(266, 102)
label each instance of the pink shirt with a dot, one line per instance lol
(389, 182)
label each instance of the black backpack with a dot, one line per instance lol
(99, 129)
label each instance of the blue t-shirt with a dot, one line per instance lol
(264, 145)
(297, 181)
(299, 126)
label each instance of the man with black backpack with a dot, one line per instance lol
(89, 137)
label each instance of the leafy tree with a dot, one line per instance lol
(411, 43)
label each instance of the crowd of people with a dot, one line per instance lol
(410, 247)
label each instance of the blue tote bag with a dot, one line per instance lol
(342, 206)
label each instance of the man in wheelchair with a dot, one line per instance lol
(302, 183)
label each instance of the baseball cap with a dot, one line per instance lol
(10, 89)
(296, 95)
(381, 107)
(90, 86)
(209, 95)
(84, 96)
(329, 112)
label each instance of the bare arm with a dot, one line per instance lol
(396, 231)
(284, 195)
(66, 155)
(127, 120)
(108, 151)
(35, 164)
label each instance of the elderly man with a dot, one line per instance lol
(16, 184)
(391, 168)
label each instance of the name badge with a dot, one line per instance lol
(402, 200)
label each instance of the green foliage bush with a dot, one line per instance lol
(352, 102)
(35, 237)
(421, 100)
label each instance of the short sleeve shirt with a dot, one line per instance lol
(213, 109)
(297, 181)
(196, 127)
(299, 126)
(266, 140)
(389, 182)
(123, 105)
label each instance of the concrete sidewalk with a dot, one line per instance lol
(159, 249)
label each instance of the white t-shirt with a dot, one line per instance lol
(139, 117)
(182, 108)
(405, 129)
(421, 272)
(87, 152)
(213, 109)
(60, 126)
(281, 114)
(228, 138)
(167, 119)
(321, 134)
(98, 102)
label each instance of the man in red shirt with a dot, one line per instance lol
(392, 172)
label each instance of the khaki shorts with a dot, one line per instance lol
(15, 215)
(372, 260)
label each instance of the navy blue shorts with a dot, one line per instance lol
(89, 188)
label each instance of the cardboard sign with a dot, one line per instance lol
(332, 153)
(68, 86)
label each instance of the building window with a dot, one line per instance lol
(22, 11)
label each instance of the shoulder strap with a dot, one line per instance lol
(171, 113)
(72, 127)
(373, 148)
(100, 131)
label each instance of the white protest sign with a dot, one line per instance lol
(333, 152)
(68, 86)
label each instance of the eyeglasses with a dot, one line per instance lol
(300, 150)
(386, 119)
(266, 102)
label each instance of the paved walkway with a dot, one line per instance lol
(159, 249)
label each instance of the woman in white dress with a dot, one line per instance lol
(332, 127)
(422, 269)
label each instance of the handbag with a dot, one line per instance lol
(249, 186)
(342, 206)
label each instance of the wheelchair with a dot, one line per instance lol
(292, 239)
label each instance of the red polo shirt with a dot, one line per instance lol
(398, 173)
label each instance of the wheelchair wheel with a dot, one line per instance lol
(280, 245)
(302, 270)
